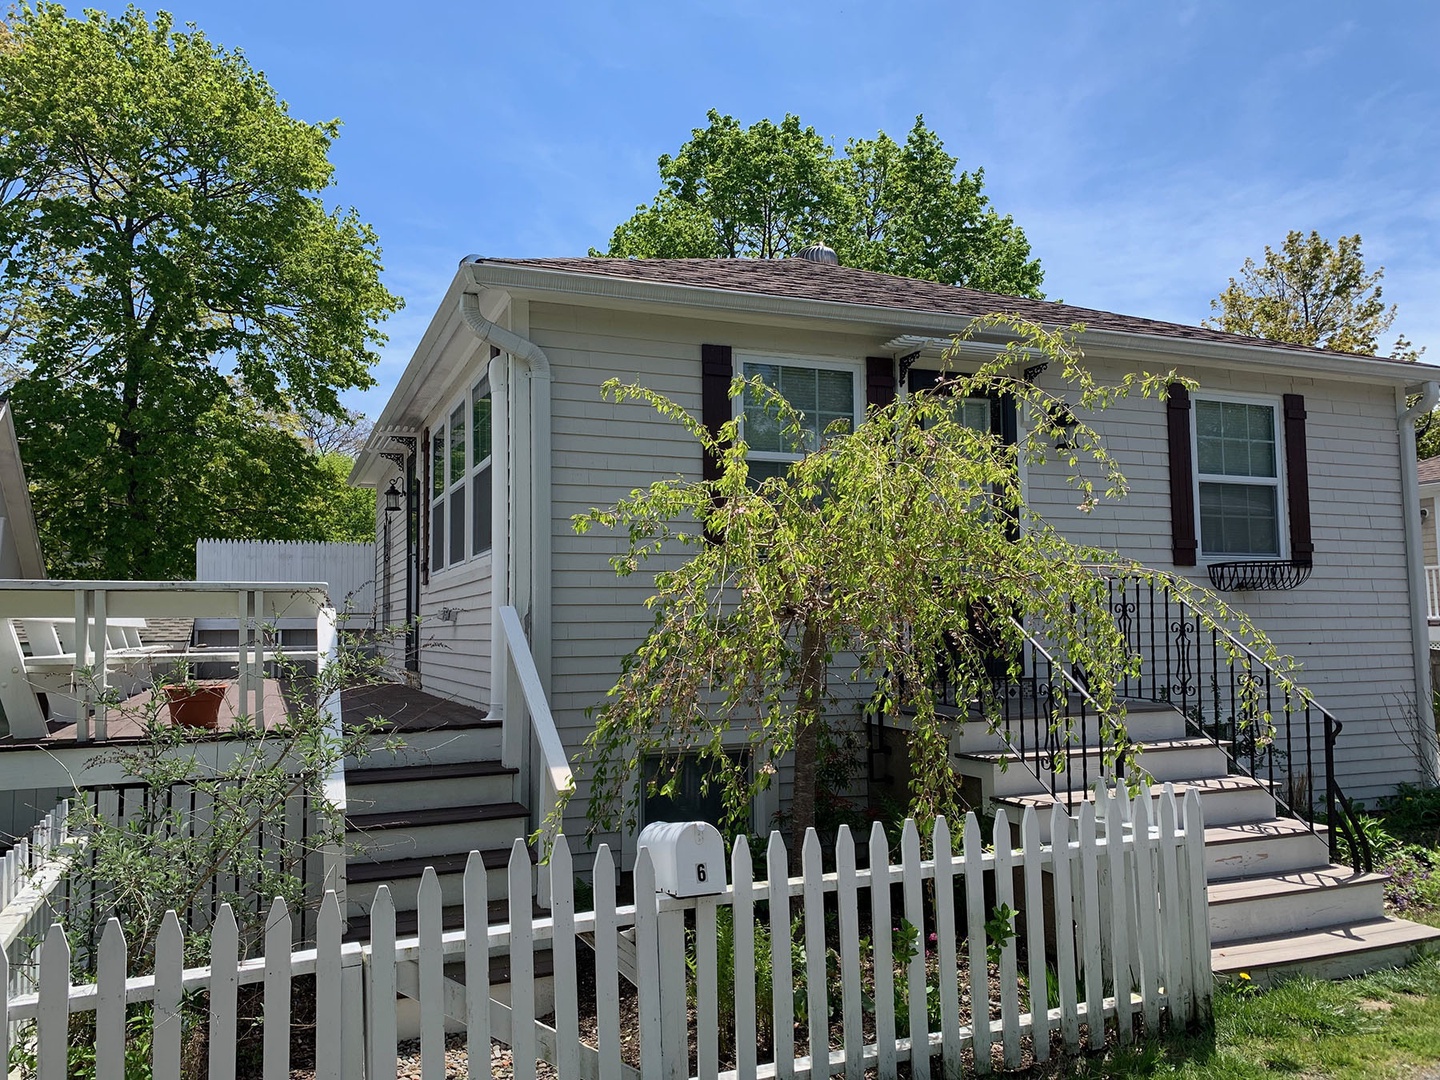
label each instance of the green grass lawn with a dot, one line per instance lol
(1382, 1025)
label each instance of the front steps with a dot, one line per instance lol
(430, 801)
(1277, 905)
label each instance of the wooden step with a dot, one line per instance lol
(1271, 904)
(1263, 847)
(419, 773)
(1144, 721)
(364, 876)
(436, 831)
(427, 786)
(1165, 760)
(438, 744)
(1226, 800)
(1332, 952)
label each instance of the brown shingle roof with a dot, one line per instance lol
(1429, 470)
(802, 279)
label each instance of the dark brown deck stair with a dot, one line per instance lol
(429, 801)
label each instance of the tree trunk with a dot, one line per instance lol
(807, 737)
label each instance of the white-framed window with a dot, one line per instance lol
(447, 490)
(460, 456)
(824, 391)
(481, 527)
(1239, 481)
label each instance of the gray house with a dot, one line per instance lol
(1287, 478)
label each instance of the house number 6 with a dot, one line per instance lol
(700, 872)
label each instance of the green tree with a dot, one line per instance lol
(768, 190)
(888, 559)
(1311, 292)
(166, 253)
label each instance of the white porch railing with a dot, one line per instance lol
(549, 764)
(1432, 591)
(83, 674)
(1123, 906)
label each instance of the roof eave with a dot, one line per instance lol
(531, 281)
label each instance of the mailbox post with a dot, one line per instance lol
(689, 862)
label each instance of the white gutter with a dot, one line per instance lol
(1414, 548)
(528, 471)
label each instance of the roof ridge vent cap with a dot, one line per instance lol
(820, 253)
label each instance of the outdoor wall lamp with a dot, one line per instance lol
(393, 497)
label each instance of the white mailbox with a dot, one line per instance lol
(688, 857)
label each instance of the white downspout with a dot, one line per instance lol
(530, 474)
(1415, 550)
(499, 529)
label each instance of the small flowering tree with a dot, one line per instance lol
(891, 558)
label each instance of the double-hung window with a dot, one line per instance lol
(823, 393)
(460, 469)
(480, 472)
(447, 491)
(1237, 473)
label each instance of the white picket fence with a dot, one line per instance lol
(1114, 904)
(31, 873)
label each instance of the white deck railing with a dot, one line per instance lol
(1122, 905)
(82, 676)
(1432, 591)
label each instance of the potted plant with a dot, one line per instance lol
(195, 703)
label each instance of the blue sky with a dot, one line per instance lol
(1146, 148)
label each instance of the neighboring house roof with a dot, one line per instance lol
(802, 279)
(19, 539)
(1429, 470)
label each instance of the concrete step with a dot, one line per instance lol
(1225, 800)
(1331, 952)
(428, 786)
(409, 834)
(1271, 904)
(1169, 759)
(1252, 848)
(363, 876)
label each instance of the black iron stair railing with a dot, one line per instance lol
(1044, 716)
(1263, 722)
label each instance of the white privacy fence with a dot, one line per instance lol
(833, 971)
(347, 569)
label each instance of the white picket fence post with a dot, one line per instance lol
(1040, 905)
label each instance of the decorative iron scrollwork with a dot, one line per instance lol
(1259, 575)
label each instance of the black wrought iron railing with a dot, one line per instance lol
(1269, 727)
(1046, 719)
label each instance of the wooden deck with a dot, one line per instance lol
(407, 709)
(403, 708)
(127, 721)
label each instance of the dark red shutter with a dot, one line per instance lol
(425, 507)
(879, 381)
(1182, 476)
(1297, 481)
(717, 371)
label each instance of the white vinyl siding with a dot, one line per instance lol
(1349, 624)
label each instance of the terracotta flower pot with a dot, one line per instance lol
(196, 705)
